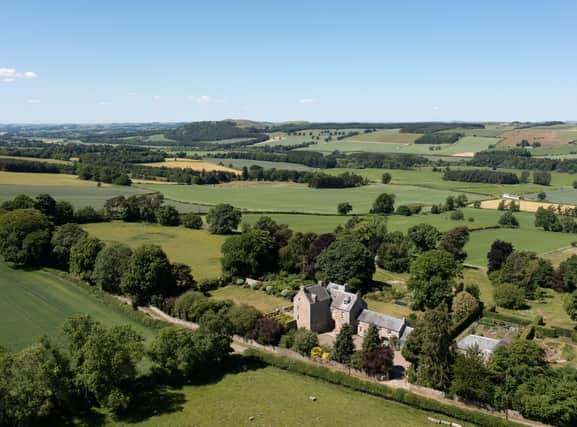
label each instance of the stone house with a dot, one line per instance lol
(323, 309)
(311, 308)
(389, 326)
(345, 307)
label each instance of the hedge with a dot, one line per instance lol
(379, 390)
(554, 332)
(111, 301)
(465, 322)
(505, 318)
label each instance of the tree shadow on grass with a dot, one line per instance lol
(156, 394)
(153, 401)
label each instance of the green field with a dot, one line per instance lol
(327, 223)
(467, 144)
(289, 197)
(258, 299)
(303, 223)
(279, 398)
(428, 179)
(62, 187)
(36, 303)
(196, 248)
(565, 195)
(523, 238)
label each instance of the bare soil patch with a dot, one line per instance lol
(546, 137)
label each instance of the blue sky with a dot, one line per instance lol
(117, 61)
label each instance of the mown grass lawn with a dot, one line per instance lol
(258, 299)
(279, 398)
(36, 303)
(197, 248)
(290, 197)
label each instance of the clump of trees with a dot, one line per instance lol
(481, 175)
(223, 219)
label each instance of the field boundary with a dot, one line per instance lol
(109, 300)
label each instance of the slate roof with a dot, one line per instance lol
(317, 291)
(485, 345)
(343, 300)
(382, 320)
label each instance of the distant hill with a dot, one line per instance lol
(212, 131)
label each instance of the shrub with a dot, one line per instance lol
(403, 210)
(457, 215)
(207, 285)
(243, 318)
(304, 340)
(508, 220)
(509, 296)
(184, 302)
(191, 220)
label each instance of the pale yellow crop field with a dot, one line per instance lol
(196, 165)
(524, 205)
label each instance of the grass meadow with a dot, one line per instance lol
(274, 397)
(428, 179)
(523, 238)
(290, 197)
(464, 147)
(62, 187)
(36, 303)
(196, 248)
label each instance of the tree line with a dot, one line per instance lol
(521, 159)
(481, 175)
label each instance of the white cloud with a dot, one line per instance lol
(436, 108)
(307, 101)
(206, 99)
(132, 93)
(33, 101)
(104, 103)
(8, 75)
(156, 97)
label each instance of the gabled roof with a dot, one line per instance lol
(484, 344)
(343, 300)
(316, 293)
(382, 320)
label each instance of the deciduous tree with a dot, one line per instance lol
(223, 219)
(24, 237)
(83, 257)
(432, 279)
(111, 263)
